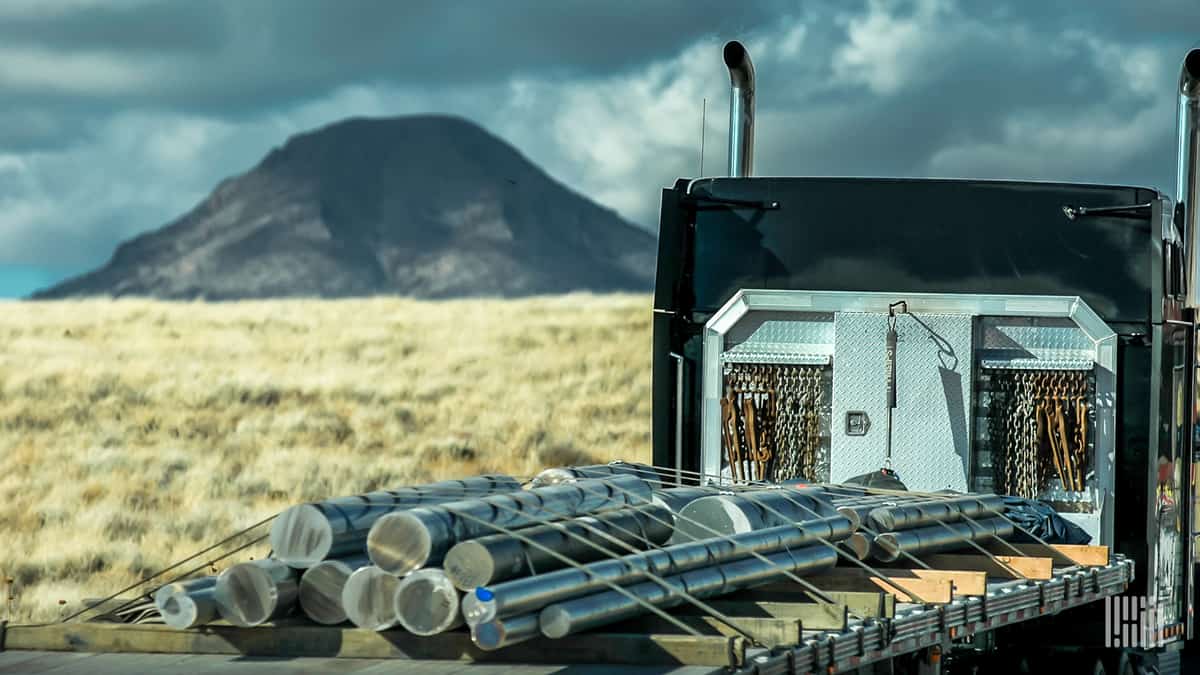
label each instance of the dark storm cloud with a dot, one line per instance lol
(230, 57)
(118, 117)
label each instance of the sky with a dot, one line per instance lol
(118, 116)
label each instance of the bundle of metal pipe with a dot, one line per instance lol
(427, 603)
(571, 616)
(489, 559)
(404, 541)
(321, 589)
(369, 598)
(750, 510)
(889, 546)
(187, 604)
(527, 594)
(304, 535)
(253, 593)
(927, 512)
(567, 474)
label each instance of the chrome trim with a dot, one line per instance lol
(1187, 172)
(678, 417)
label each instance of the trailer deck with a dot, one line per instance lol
(791, 636)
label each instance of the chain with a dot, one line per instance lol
(1038, 423)
(771, 421)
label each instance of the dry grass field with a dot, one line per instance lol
(134, 433)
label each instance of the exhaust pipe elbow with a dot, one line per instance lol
(741, 109)
(1189, 74)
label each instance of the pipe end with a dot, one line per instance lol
(427, 603)
(469, 565)
(734, 54)
(554, 622)
(301, 536)
(367, 598)
(1189, 76)
(399, 543)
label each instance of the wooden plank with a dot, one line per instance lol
(963, 582)
(864, 604)
(909, 589)
(812, 616)
(1010, 566)
(770, 631)
(328, 641)
(1061, 554)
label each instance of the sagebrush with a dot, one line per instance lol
(136, 432)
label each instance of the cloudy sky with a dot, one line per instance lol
(118, 115)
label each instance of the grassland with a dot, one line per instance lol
(133, 433)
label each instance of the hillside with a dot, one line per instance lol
(426, 207)
(137, 432)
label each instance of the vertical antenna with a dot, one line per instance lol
(703, 113)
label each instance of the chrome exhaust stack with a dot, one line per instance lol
(1188, 189)
(741, 109)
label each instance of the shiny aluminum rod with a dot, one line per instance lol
(403, 541)
(674, 499)
(741, 109)
(427, 603)
(500, 633)
(369, 598)
(498, 557)
(187, 604)
(527, 594)
(567, 474)
(942, 537)
(571, 616)
(930, 512)
(306, 534)
(858, 545)
(735, 514)
(1188, 170)
(253, 593)
(321, 589)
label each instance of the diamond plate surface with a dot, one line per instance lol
(781, 337)
(931, 435)
(1027, 341)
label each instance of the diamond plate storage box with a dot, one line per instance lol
(829, 422)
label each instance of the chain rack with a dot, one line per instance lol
(1039, 424)
(771, 421)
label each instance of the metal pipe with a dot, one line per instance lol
(674, 499)
(568, 474)
(304, 535)
(403, 541)
(1188, 172)
(321, 589)
(187, 604)
(571, 616)
(500, 633)
(741, 109)
(947, 537)
(919, 514)
(369, 598)
(427, 603)
(858, 545)
(498, 557)
(749, 511)
(527, 594)
(253, 593)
